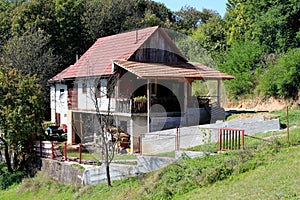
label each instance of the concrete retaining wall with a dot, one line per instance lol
(93, 175)
(165, 141)
(152, 163)
(62, 171)
(68, 174)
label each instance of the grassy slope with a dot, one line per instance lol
(270, 173)
(279, 179)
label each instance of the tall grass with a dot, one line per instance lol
(247, 174)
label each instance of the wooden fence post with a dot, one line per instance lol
(141, 146)
(65, 151)
(287, 124)
(41, 149)
(52, 149)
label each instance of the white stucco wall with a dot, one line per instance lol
(59, 102)
(85, 100)
(52, 103)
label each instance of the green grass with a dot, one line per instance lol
(278, 179)
(264, 170)
(90, 156)
(249, 174)
(294, 116)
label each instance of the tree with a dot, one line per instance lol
(242, 61)
(103, 88)
(283, 78)
(273, 24)
(32, 55)
(189, 18)
(99, 20)
(20, 114)
(211, 36)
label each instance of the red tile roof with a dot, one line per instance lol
(97, 60)
(179, 70)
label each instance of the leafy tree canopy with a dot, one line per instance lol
(283, 78)
(20, 112)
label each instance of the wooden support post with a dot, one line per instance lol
(41, 149)
(243, 139)
(81, 128)
(219, 93)
(177, 139)
(65, 151)
(220, 139)
(140, 144)
(287, 124)
(148, 106)
(52, 150)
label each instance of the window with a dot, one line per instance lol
(84, 87)
(98, 89)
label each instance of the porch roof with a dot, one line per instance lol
(178, 70)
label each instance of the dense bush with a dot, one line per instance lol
(283, 78)
(7, 179)
(242, 61)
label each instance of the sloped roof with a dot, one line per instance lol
(97, 60)
(180, 70)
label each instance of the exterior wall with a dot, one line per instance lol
(52, 103)
(85, 98)
(59, 102)
(157, 49)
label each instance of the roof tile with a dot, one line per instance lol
(97, 60)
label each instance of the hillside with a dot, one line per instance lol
(262, 171)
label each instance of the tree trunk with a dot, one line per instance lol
(107, 166)
(6, 154)
(108, 176)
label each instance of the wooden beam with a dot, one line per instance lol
(148, 105)
(219, 93)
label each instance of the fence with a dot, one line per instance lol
(175, 139)
(231, 139)
(57, 151)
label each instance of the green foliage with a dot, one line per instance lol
(99, 20)
(192, 178)
(242, 61)
(31, 54)
(7, 179)
(21, 106)
(189, 18)
(294, 116)
(283, 78)
(273, 23)
(211, 36)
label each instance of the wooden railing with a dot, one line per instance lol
(56, 151)
(131, 106)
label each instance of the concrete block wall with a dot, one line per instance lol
(164, 141)
(94, 175)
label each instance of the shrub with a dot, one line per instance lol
(242, 61)
(283, 78)
(7, 179)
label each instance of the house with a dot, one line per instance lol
(153, 89)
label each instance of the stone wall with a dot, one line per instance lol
(62, 171)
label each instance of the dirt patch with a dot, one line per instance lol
(257, 104)
(267, 116)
